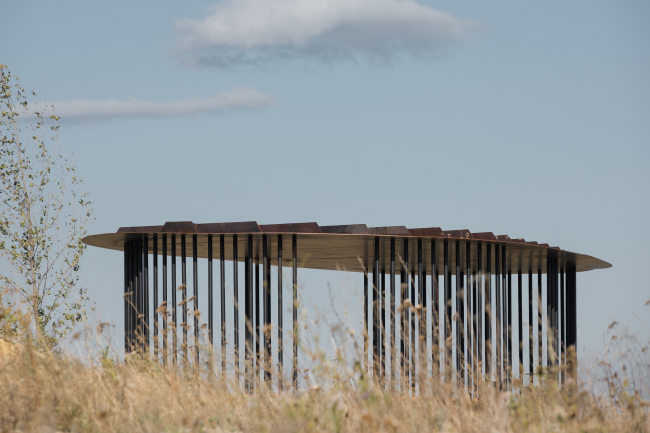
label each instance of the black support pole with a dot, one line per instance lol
(366, 329)
(404, 330)
(235, 287)
(572, 322)
(248, 315)
(145, 295)
(479, 315)
(435, 314)
(195, 295)
(392, 313)
(210, 294)
(222, 275)
(166, 309)
(258, 321)
(375, 313)
(562, 326)
(184, 293)
(448, 340)
(280, 319)
(499, 324)
(470, 313)
(531, 329)
(127, 297)
(382, 324)
(540, 314)
(488, 312)
(156, 322)
(174, 299)
(459, 316)
(422, 302)
(294, 243)
(520, 325)
(266, 271)
(413, 339)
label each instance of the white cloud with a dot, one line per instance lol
(80, 109)
(255, 31)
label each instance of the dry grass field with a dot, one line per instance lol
(48, 391)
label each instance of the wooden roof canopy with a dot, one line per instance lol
(347, 247)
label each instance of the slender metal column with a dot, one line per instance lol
(366, 329)
(235, 287)
(507, 316)
(475, 328)
(459, 316)
(435, 314)
(266, 270)
(137, 293)
(174, 304)
(184, 293)
(382, 324)
(166, 309)
(140, 297)
(509, 359)
(422, 302)
(248, 315)
(280, 319)
(195, 295)
(258, 321)
(127, 297)
(222, 275)
(540, 340)
(499, 324)
(413, 354)
(392, 313)
(488, 312)
(210, 294)
(155, 296)
(479, 309)
(520, 326)
(549, 311)
(572, 322)
(531, 360)
(294, 244)
(448, 337)
(404, 312)
(376, 339)
(469, 316)
(145, 295)
(562, 326)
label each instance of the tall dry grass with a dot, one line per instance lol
(43, 390)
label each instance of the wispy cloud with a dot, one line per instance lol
(85, 109)
(258, 31)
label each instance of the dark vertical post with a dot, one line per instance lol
(127, 297)
(137, 293)
(392, 312)
(562, 326)
(155, 296)
(375, 313)
(520, 326)
(488, 312)
(449, 366)
(479, 310)
(404, 275)
(280, 319)
(258, 320)
(510, 356)
(166, 310)
(459, 317)
(470, 313)
(531, 360)
(174, 304)
(222, 275)
(266, 271)
(499, 326)
(422, 330)
(435, 314)
(382, 324)
(549, 312)
(507, 311)
(540, 342)
(195, 295)
(413, 334)
(235, 286)
(366, 329)
(210, 294)
(248, 314)
(294, 243)
(572, 322)
(145, 295)
(184, 293)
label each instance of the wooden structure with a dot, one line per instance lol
(454, 287)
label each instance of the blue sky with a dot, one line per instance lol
(527, 119)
